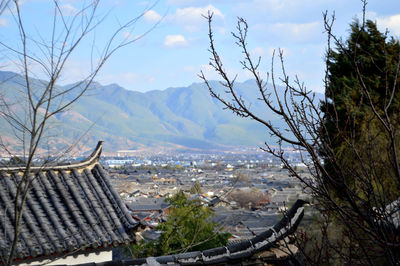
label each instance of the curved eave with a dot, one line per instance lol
(231, 254)
(90, 161)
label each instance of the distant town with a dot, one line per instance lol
(248, 190)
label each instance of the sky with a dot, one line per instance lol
(172, 45)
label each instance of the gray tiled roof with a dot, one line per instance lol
(234, 253)
(148, 204)
(68, 208)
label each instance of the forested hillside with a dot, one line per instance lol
(184, 117)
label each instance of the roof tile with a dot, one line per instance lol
(67, 208)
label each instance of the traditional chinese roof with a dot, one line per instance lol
(226, 255)
(68, 208)
(148, 204)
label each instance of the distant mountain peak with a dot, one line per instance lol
(174, 117)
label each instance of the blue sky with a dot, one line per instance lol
(174, 52)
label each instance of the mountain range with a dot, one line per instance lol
(177, 118)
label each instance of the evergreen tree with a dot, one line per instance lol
(196, 188)
(361, 78)
(188, 228)
(352, 139)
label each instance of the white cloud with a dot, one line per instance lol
(295, 29)
(258, 51)
(3, 22)
(285, 51)
(175, 41)
(68, 10)
(127, 35)
(391, 23)
(293, 32)
(191, 18)
(275, 4)
(270, 7)
(152, 16)
(368, 14)
(284, 6)
(185, 2)
(268, 52)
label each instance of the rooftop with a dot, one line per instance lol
(68, 208)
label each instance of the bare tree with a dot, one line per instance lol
(247, 198)
(357, 199)
(3, 5)
(47, 57)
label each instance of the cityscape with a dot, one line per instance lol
(187, 132)
(248, 191)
